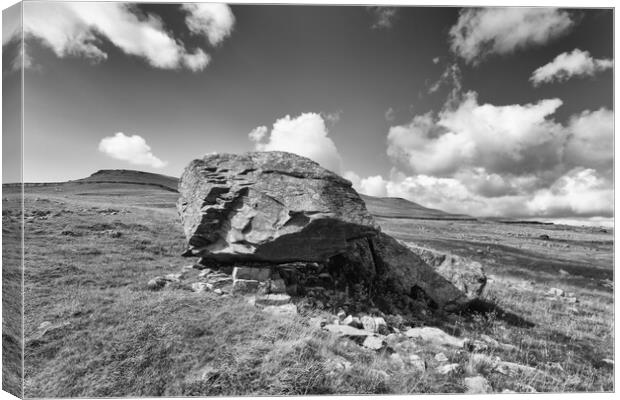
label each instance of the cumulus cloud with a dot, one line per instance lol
(567, 65)
(215, 20)
(383, 17)
(509, 161)
(132, 149)
(390, 114)
(76, 29)
(480, 32)
(305, 135)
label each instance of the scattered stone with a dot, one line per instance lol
(218, 291)
(47, 327)
(273, 299)
(570, 300)
(284, 310)
(373, 343)
(563, 273)
(608, 361)
(476, 385)
(244, 286)
(544, 237)
(116, 234)
(555, 292)
(341, 315)
(188, 267)
(346, 330)
(251, 273)
(441, 358)
(435, 336)
(448, 368)
(157, 283)
(199, 287)
(214, 282)
(372, 324)
(347, 320)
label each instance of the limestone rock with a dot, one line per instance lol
(448, 368)
(157, 283)
(249, 273)
(467, 275)
(373, 343)
(416, 362)
(346, 330)
(441, 358)
(435, 336)
(268, 206)
(244, 286)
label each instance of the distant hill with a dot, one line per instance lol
(396, 207)
(132, 177)
(384, 207)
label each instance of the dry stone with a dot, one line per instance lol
(435, 336)
(252, 273)
(244, 286)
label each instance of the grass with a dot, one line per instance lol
(111, 336)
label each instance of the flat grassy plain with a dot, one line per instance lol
(92, 327)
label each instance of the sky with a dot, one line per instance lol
(503, 112)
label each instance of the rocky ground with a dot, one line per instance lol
(112, 310)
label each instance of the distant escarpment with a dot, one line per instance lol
(281, 210)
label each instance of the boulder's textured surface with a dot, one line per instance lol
(278, 215)
(467, 275)
(268, 206)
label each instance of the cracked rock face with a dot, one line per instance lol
(268, 206)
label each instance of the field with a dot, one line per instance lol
(93, 328)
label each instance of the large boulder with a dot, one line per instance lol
(268, 206)
(276, 208)
(467, 275)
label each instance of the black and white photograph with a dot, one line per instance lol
(204, 199)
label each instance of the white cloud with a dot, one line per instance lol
(383, 17)
(480, 32)
(508, 138)
(590, 141)
(130, 148)
(390, 114)
(566, 65)
(215, 20)
(436, 60)
(75, 29)
(305, 135)
(332, 117)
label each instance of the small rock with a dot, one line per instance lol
(337, 365)
(116, 235)
(563, 272)
(435, 336)
(273, 299)
(218, 291)
(199, 287)
(570, 300)
(347, 320)
(250, 273)
(373, 342)
(441, 358)
(284, 310)
(476, 385)
(608, 361)
(448, 368)
(157, 283)
(373, 324)
(218, 283)
(341, 314)
(544, 237)
(555, 292)
(244, 286)
(188, 267)
(346, 330)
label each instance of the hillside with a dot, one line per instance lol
(133, 177)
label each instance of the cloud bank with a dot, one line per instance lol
(480, 32)
(383, 17)
(76, 29)
(132, 149)
(305, 135)
(511, 161)
(577, 63)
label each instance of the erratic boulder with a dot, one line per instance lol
(276, 208)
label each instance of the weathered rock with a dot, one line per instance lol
(157, 283)
(448, 368)
(218, 282)
(252, 273)
(395, 362)
(373, 343)
(372, 324)
(555, 292)
(346, 330)
(435, 336)
(199, 287)
(441, 358)
(283, 310)
(476, 385)
(268, 206)
(244, 286)
(280, 208)
(467, 275)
